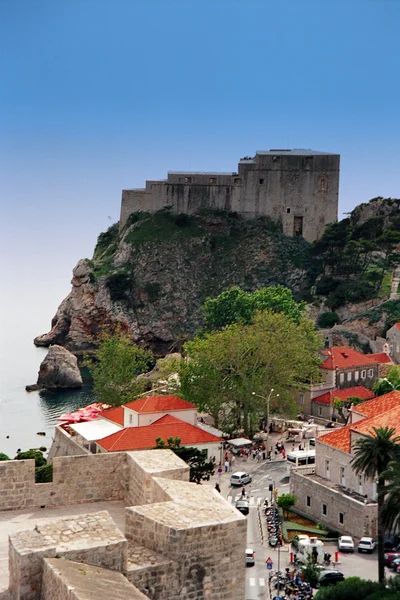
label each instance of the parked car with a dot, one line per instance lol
(392, 542)
(240, 478)
(312, 441)
(243, 506)
(250, 560)
(390, 557)
(366, 544)
(298, 538)
(346, 543)
(330, 578)
(395, 564)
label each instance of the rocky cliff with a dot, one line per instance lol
(151, 277)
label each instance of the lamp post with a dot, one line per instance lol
(267, 399)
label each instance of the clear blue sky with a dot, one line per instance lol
(98, 95)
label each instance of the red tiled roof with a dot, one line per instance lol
(144, 438)
(159, 404)
(390, 418)
(397, 325)
(340, 439)
(343, 357)
(358, 391)
(379, 405)
(116, 415)
(381, 357)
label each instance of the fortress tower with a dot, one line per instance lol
(299, 188)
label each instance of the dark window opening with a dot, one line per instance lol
(262, 181)
(237, 180)
(298, 226)
(308, 501)
(341, 518)
(213, 180)
(323, 186)
(324, 510)
(288, 211)
(188, 180)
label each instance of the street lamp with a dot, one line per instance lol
(267, 399)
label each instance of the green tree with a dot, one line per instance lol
(4, 456)
(200, 468)
(389, 383)
(311, 572)
(391, 496)
(341, 405)
(237, 306)
(286, 501)
(115, 367)
(371, 456)
(34, 453)
(353, 588)
(223, 368)
(327, 319)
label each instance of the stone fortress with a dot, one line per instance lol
(299, 188)
(179, 540)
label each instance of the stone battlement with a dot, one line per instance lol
(299, 188)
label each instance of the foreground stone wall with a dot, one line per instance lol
(64, 445)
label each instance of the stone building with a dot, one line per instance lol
(330, 491)
(298, 188)
(393, 341)
(342, 368)
(178, 540)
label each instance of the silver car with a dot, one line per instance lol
(250, 560)
(240, 478)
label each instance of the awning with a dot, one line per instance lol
(96, 430)
(239, 442)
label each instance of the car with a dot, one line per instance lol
(240, 478)
(392, 542)
(394, 564)
(250, 560)
(389, 557)
(312, 442)
(329, 578)
(243, 506)
(346, 543)
(366, 544)
(298, 538)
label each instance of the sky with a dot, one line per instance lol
(100, 95)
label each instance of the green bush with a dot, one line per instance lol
(4, 456)
(105, 240)
(325, 285)
(349, 291)
(34, 453)
(327, 319)
(44, 474)
(353, 588)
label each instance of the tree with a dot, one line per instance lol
(223, 368)
(237, 306)
(115, 367)
(4, 456)
(327, 320)
(353, 588)
(389, 383)
(311, 572)
(286, 501)
(371, 456)
(391, 496)
(200, 468)
(34, 453)
(340, 405)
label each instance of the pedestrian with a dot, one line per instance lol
(217, 488)
(226, 465)
(283, 454)
(243, 492)
(230, 464)
(263, 454)
(233, 460)
(219, 471)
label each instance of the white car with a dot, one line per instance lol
(346, 543)
(250, 560)
(240, 478)
(366, 544)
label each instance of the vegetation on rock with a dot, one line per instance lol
(389, 383)
(200, 468)
(327, 320)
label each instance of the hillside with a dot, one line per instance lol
(152, 277)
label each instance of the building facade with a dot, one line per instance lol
(298, 188)
(393, 341)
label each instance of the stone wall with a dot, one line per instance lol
(358, 518)
(64, 445)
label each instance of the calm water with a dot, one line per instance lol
(23, 414)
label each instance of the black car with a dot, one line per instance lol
(392, 542)
(243, 506)
(330, 577)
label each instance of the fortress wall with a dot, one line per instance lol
(17, 484)
(132, 201)
(64, 445)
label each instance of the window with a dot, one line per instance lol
(356, 375)
(308, 501)
(188, 180)
(301, 399)
(320, 411)
(341, 377)
(298, 226)
(288, 211)
(212, 180)
(360, 484)
(327, 470)
(130, 419)
(324, 510)
(262, 181)
(237, 180)
(323, 185)
(342, 476)
(370, 372)
(349, 376)
(341, 518)
(363, 374)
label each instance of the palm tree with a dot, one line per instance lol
(391, 494)
(371, 456)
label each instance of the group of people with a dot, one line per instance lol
(280, 449)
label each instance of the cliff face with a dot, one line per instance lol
(152, 277)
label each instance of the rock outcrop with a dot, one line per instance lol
(59, 370)
(150, 278)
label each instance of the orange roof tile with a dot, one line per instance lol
(381, 357)
(143, 438)
(379, 405)
(340, 439)
(343, 357)
(358, 391)
(397, 325)
(116, 415)
(159, 404)
(390, 418)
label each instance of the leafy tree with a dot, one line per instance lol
(311, 572)
(115, 367)
(286, 501)
(371, 457)
(32, 453)
(389, 383)
(237, 306)
(200, 468)
(44, 474)
(224, 367)
(4, 456)
(327, 319)
(341, 405)
(353, 588)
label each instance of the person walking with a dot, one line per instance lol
(226, 465)
(219, 473)
(230, 464)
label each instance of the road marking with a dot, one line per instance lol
(261, 582)
(252, 581)
(258, 501)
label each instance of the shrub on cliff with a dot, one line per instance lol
(34, 454)
(327, 319)
(4, 456)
